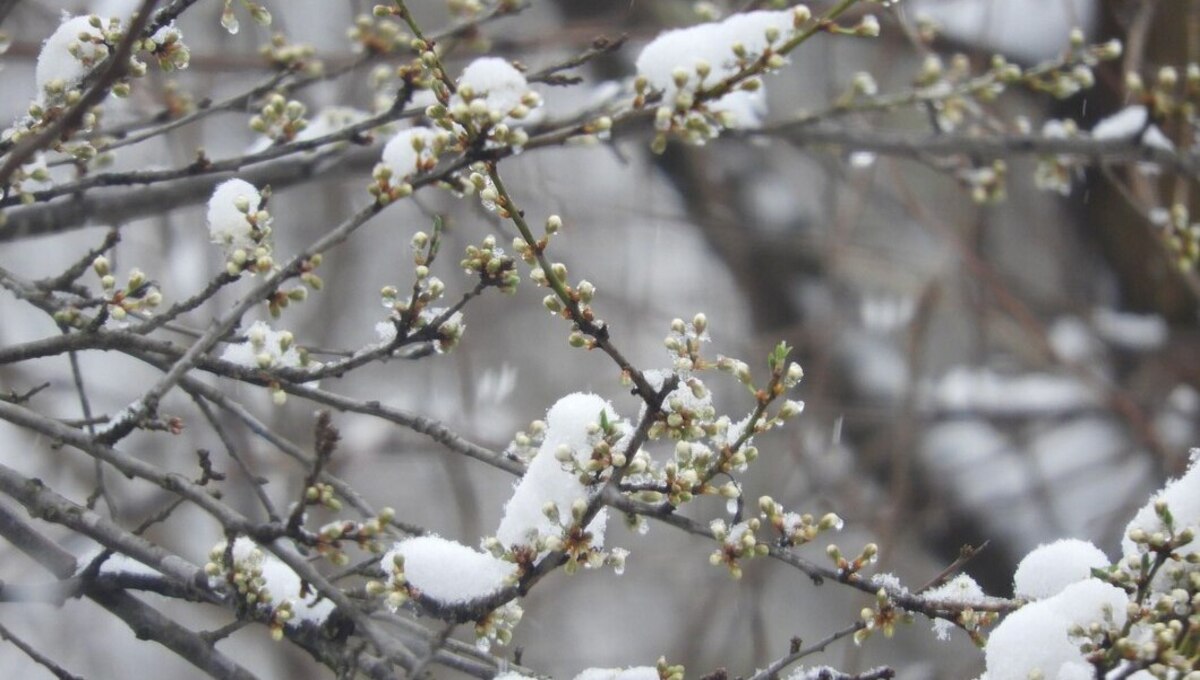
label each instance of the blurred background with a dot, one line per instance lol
(1012, 372)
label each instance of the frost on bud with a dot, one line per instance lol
(790, 409)
(830, 521)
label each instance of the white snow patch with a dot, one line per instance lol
(410, 152)
(265, 347)
(711, 45)
(1141, 332)
(570, 423)
(984, 390)
(1048, 569)
(960, 589)
(55, 61)
(497, 81)
(448, 571)
(632, 673)
(281, 582)
(1031, 30)
(1182, 498)
(228, 225)
(1128, 123)
(1034, 641)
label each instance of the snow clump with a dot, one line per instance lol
(683, 62)
(265, 572)
(412, 151)
(572, 430)
(1048, 569)
(69, 55)
(236, 223)
(1036, 640)
(499, 87)
(448, 571)
(633, 673)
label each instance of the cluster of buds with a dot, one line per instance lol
(376, 33)
(280, 299)
(738, 542)
(604, 441)
(883, 617)
(257, 12)
(668, 671)
(687, 413)
(848, 567)
(244, 574)
(410, 152)
(685, 117)
(294, 57)
(280, 119)
(1168, 94)
(427, 68)
(496, 627)
(90, 47)
(573, 540)
(679, 480)
(1182, 236)
(684, 344)
(439, 324)
(525, 444)
(413, 313)
(473, 111)
(796, 529)
(27, 178)
(269, 350)
(1166, 637)
(322, 494)
(43, 113)
(139, 294)
(955, 94)
(1064, 83)
(688, 112)
(529, 251)
(489, 196)
(366, 534)
(594, 130)
(252, 252)
(696, 465)
(396, 591)
(1055, 172)
(492, 265)
(167, 48)
(986, 184)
